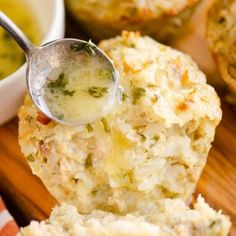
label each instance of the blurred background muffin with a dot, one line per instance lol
(161, 20)
(221, 31)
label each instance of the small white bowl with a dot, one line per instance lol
(51, 18)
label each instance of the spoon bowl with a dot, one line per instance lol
(71, 81)
(63, 56)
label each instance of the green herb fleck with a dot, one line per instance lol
(59, 83)
(94, 191)
(156, 138)
(30, 158)
(124, 96)
(29, 118)
(68, 93)
(105, 125)
(37, 126)
(89, 127)
(88, 162)
(167, 193)
(151, 85)
(105, 74)
(137, 92)
(143, 137)
(97, 92)
(77, 47)
(88, 47)
(59, 116)
(215, 222)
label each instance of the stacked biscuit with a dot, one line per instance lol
(132, 172)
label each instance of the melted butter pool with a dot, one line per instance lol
(80, 90)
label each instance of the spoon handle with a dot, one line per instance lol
(16, 33)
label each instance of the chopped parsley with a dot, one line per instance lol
(29, 118)
(88, 162)
(60, 85)
(105, 125)
(151, 85)
(88, 47)
(215, 222)
(155, 137)
(89, 128)
(105, 74)
(97, 92)
(68, 93)
(76, 47)
(94, 191)
(59, 116)
(143, 137)
(30, 158)
(168, 193)
(124, 96)
(137, 92)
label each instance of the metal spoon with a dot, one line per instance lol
(41, 61)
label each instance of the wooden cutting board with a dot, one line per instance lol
(27, 198)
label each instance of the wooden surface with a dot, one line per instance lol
(26, 193)
(27, 198)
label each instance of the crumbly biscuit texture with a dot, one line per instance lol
(174, 219)
(152, 145)
(107, 18)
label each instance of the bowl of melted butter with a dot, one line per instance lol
(42, 21)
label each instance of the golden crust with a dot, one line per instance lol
(159, 19)
(221, 31)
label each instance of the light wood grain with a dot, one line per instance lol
(16, 179)
(218, 181)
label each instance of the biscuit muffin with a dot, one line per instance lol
(152, 145)
(221, 31)
(107, 18)
(174, 219)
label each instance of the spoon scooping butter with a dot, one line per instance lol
(71, 81)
